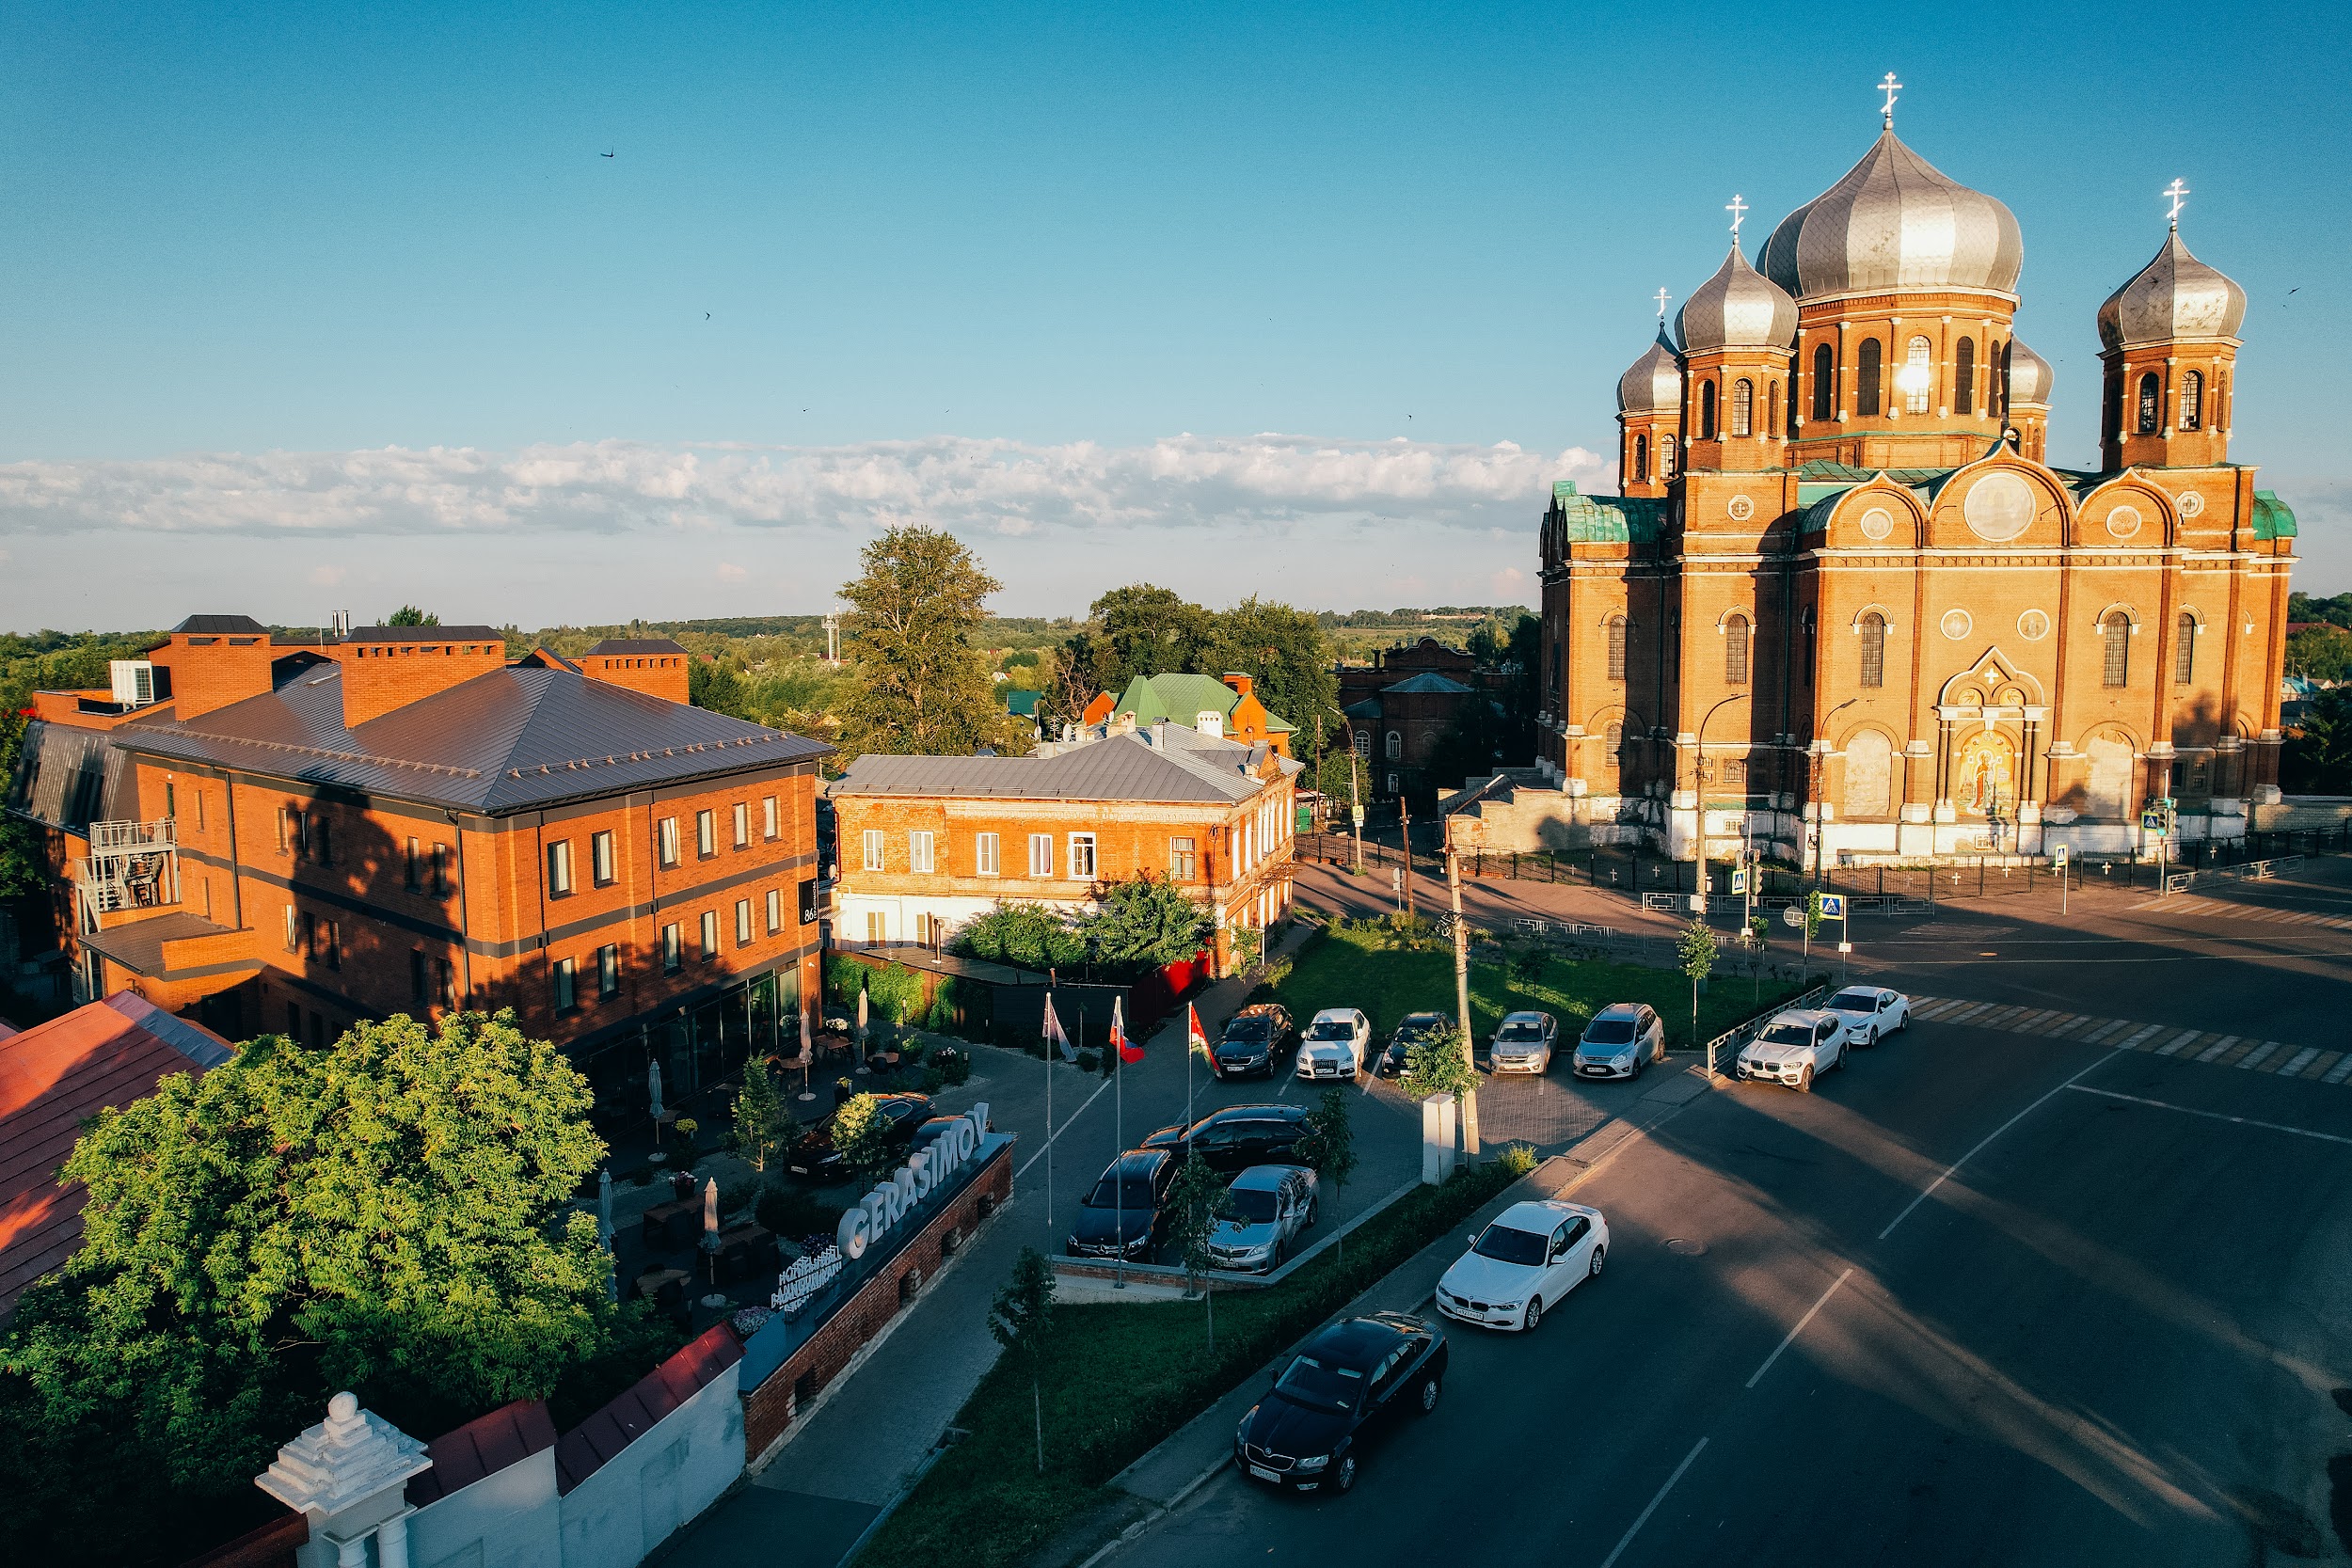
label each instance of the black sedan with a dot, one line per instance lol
(1255, 1041)
(1411, 1031)
(1125, 1216)
(1237, 1137)
(1350, 1381)
(815, 1158)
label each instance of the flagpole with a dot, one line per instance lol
(1118, 1113)
(1048, 1054)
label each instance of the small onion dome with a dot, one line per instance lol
(2029, 376)
(1895, 221)
(1738, 307)
(1653, 384)
(2176, 297)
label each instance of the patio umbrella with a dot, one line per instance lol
(808, 1054)
(710, 1215)
(604, 1233)
(653, 1087)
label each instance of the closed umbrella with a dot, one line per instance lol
(604, 1233)
(861, 1031)
(653, 1087)
(808, 1054)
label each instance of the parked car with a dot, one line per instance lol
(1271, 1205)
(1523, 1042)
(1237, 1137)
(1871, 1013)
(1411, 1030)
(1346, 1385)
(1796, 1047)
(1621, 1041)
(1532, 1255)
(1125, 1215)
(1335, 1044)
(815, 1157)
(1255, 1039)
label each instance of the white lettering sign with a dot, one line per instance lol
(865, 1223)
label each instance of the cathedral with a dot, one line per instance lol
(1843, 606)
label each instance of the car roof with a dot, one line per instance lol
(1356, 1342)
(1421, 1018)
(1804, 1015)
(1252, 1113)
(1342, 1014)
(1265, 1178)
(1258, 1009)
(1139, 1162)
(1861, 991)
(1529, 1017)
(1541, 1214)
(1619, 1009)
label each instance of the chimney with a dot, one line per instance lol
(389, 667)
(1159, 735)
(1239, 681)
(211, 662)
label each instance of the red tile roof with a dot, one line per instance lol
(586, 1449)
(482, 1446)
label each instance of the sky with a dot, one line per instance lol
(580, 313)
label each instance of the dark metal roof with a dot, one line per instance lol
(424, 634)
(66, 776)
(139, 946)
(1120, 767)
(588, 1447)
(216, 625)
(636, 646)
(516, 738)
(482, 1446)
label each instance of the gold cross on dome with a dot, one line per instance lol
(2179, 193)
(1738, 209)
(1887, 86)
(1662, 297)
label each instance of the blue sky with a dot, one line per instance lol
(311, 307)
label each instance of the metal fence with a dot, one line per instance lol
(2249, 871)
(1745, 1030)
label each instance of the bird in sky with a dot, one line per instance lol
(605, 154)
(705, 315)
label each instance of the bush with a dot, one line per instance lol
(1516, 1159)
(792, 1214)
(933, 1080)
(954, 1066)
(1088, 1061)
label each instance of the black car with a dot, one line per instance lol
(1126, 1213)
(1255, 1039)
(1411, 1031)
(1237, 1137)
(1350, 1381)
(815, 1158)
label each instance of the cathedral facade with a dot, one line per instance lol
(1843, 605)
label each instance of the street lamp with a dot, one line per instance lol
(1355, 794)
(1815, 752)
(1698, 795)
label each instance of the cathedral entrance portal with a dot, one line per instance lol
(1987, 775)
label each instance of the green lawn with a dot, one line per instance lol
(1362, 967)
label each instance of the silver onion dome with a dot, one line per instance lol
(2029, 376)
(2175, 296)
(1653, 384)
(1738, 307)
(1895, 221)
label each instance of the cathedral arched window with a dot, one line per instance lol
(1614, 744)
(1964, 377)
(1665, 456)
(2115, 635)
(1616, 647)
(1825, 383)
(1772, 421)
(1999, 397)
(1707, 411)
(2150, 404)
(1918, 375)
(2193, 401)
(2221, 404)
(1736, 651)
(2185, 650)
(1874, 649)
(1865, 378)
(1640, 458)
(1743, 408)
(1395, 746)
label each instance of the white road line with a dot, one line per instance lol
(2300, 1060)
(2177, 1041)
(2259, 1054)
(2217, 1048)
(2133, 1042)
(1963, 1017)
(1935, 1010)
(2336, 1074)
(2106, 1029)
(1791, 1338)
(1054, 1132)
(1636, 1530)
(2212, 1116)
(1929, 1189)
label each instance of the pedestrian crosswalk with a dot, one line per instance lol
(2259, 914)
(2243, 1052)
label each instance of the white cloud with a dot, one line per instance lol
(327, 577)
(730, 572)
(1007, 487)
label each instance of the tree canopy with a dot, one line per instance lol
(923, 689)
(1144, 629)
(1146, 920)
(409, 615)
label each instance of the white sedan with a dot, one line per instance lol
(1524, 1262)
(1871, 1013)
(1796, 1047)
(1335, 1044)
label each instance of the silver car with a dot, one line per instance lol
(1271, 1205)
(1620, 1042)
(1523, 1042)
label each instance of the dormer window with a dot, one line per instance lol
(1209, 721)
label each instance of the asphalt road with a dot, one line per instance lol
(2120, 1331)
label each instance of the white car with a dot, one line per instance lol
(1795, 1048)
(1523, 1042)
(1335, 1044)
(1871, 1013)
(1523, 1263)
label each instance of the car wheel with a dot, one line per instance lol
(1804, 1082)
(1534, 1315)
(1344, 1479)
(1870, 1039)
(1428, 1395)
(1598, 1253)
(1641, 1065)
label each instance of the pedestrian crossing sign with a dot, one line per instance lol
(1738, 879)
(2057, 857)
(1833, 906)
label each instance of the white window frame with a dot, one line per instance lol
(1040, 854)
(874, 853)
(567, 979)
(771, 818)
(984, 854)
(608, 972)
(705, 832)
(1082, 857)
(743, 923)
(600, 857)
(920, 857)
(775, 911)
(743, 825)
(559, 866)
(877, 927)
(666, 844)
(710, 934)
(672, 948)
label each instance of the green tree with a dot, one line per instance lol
(2317, 757)
(1439, 1063)
(409, 615)
(2321, 653)
(1696, 949)
(713, 684)
(1196, 1201)
(1329, 1149)
(1288, 657)
(763, 1120)
(1022, 1318)
(1145, 920)
(1140, 630)
(862, 1135)
(922, 688)
(1028, 935)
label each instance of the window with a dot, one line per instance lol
(1999, 396)
(706, 833)
(415, 880)
(1613, 742)
(418, 980)
(1183, 859)
(808, 902)
(1874, 649)
(1736, 651)
(1743, 408)
(1772, 422)
(1804, 634)
(1825, 383)
(772, 819)
(1867, 378)
(560, 868)
(600, 857)
(1394, 748)
(872, 839)
(445, 982)
(1707, 411)
(322, 840)
(293, 1022)
(608, 972)
(294, 930)
(565, 978)
(440, 870)
(1640, 458)
(2115, 632)
(918, 851)
(1362, 744)
(285, 833)
(2192, 417)
(1393, 785)
(331, 942)
(2185, 650)
(1082, 856)
(1964, 377)
(877, 927)
(171, 799)
(1040, 854)
(1667, 456)
(665, 837)
(1616, 647)
(710, 934)
(984, 854)
(775, 911)
(743, 825)
(2151, 404)
(743, 923)
(672, 945)
(1918, 375)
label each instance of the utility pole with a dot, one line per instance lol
(1461, 988)
(1404, 825)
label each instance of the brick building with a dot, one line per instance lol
(1844, 599)
(300, 833)
(1401, 705)
(927, 843)
(1228, 708)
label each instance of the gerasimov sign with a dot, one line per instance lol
(878, 1211)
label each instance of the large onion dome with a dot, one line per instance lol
(1738, 307)
(2174, 298)
(2029, 376)
(1653, 384)
(1895, 221)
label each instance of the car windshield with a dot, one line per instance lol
(1855, 1002)
(1248, 1031)
(1106, 1194)
(1610, 1031)
(1788, 1034)
(1254, 1205)
(1420, 1025)
(1519, 1033)
(1321, 1385)
(1506, 1246)
(1332, 1029)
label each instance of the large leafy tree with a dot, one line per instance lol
(1141, 629)
(1288, 655)
(923, 689)
(2317, 757)
(1145, 920)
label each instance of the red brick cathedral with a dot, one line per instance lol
(1843, 598)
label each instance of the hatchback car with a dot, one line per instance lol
(1525, 1262)
(1411, 1030)
(1795, 1048)
(1270, 1206)
(1621, 1041)
(1871, 1013)
(1523, 1042)
(1342, 1387)
(1126, 1213)
(815, 1157)
(1335, 1044)
(1255, 1039)
(1237, 1137)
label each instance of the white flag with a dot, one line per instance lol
(1054, 1034)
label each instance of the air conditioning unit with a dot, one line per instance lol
(134, 681)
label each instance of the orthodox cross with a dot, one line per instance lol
(1888, 87)
(2179, 193)
(1738, 209)
(1662, 297)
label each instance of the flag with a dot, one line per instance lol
(1194, 1039)
(1054, 1034)
(1127, 1052)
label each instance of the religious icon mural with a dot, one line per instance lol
(1986, 773)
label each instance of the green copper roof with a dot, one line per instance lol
(1607, 519)
(2272, 518)
(1182, 699)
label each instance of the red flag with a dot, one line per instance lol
(1194, 1039)
(1127, 1052)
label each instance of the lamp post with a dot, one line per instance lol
(1698, 796)
(1815, 753)
(1355, 792)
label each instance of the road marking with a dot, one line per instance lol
(2104, 1031)
(1791, 1338)
(2034, 1021)
(2066, 1026)
(1934, 1011)
(2211, 1115)
(2336, 1074)
(1636, 1530)
(1054, 1132)
(2168, 1047)
(2132, 1043)
(2269, 1048)
(2300, 1060)
(2318, 1068)
(1964, 1017)
(2217, 1048)
(1926, 1192)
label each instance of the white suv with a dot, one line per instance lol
(1795, 1048)
(1335, 1044)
